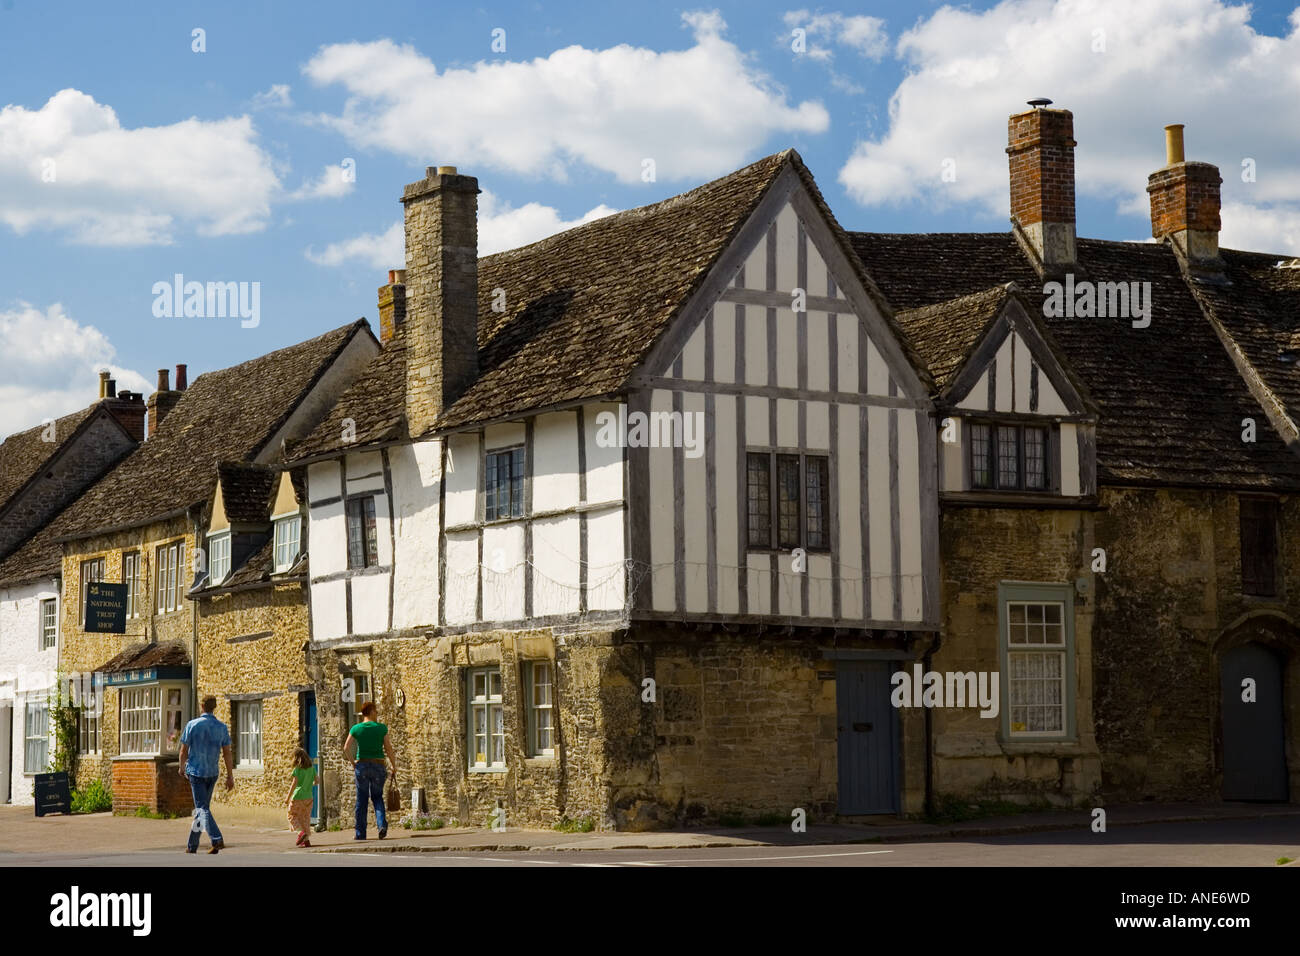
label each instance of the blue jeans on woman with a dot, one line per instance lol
(201, 789)
(370, 787)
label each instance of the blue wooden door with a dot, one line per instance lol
(1254, 739)
(311, 740)
(867, 738)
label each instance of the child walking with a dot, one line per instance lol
(299, 802)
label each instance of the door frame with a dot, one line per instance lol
(844, 664)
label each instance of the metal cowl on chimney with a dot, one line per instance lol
(1185, 205)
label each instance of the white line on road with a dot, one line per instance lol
(747, 859)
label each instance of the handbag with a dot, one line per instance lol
(393, 801)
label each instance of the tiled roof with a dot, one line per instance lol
(246, 491)
(141, 656)
(40, 556)
(583, 308)
(228, 415)
(945, 333)
(1170, 400)
(23, 454)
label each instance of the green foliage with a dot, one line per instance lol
(335, 827)
(93, 798)
(421, 821)
(63, 714)
(580, 825)
(1283, 860)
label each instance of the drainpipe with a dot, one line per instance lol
(194, 640)
(929, 730)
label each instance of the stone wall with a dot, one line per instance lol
(100, 446)
(1168, 605)
(251, 644)
(981, 547)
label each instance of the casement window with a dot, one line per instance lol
(539, 704)
(169, 575)
(88, 724)
(1037, 651)
(151, 718)
(49, 624)
(503, 487)
(287, 536)
(218, 557)
(787, 501)
(360, 694)
(248, 733)
(36, 737)
(91, 571)
(1258, 546)
(1009, 457)
(135, 599)
(485, 720)
(363, 535)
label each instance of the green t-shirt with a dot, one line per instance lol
(303, 778)
(370, 736)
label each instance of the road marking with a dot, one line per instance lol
(747, 859)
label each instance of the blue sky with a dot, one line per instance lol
(226, 164)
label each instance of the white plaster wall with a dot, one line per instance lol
(555, 462)
(606, 587)
(604, 465)
(556, 568)
(462, 480)
(329, 610)
(504, 567)
(26, 672)
(462, 576)
(369, 603)
(416, 481)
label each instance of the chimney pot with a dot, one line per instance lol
(163, 377)
(103, 383)
(392, 305)
(112, 388)
(182, 382)
(446, 170)
(1174, 144)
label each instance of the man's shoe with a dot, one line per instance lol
(218, 845)
(383, 832)
(358, 838)
(191, 849)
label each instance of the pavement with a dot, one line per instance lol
(23, 836)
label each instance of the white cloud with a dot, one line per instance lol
(277, 97)
(116, 186)
(864, 35)
(500, 227)
(332, 183)
(59, 368)
(1197, 62)
(697, 112)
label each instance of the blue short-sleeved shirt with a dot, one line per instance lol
(205, 736)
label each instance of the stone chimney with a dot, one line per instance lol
(441, 213)
(128, 409)
(1040, 149)
(163, 400)
(392, 305)
(182, 382)
(1185, 204)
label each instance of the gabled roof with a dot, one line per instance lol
(945, 333)
(246, 491)
(24, 455)
(583, 309)
(39, 557)
(224, 416)
(1169, 398)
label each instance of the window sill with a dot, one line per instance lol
(250, 770)
(1029, 745)
(487, 770)
(540, 760)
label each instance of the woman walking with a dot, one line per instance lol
(366, 747)
(300, 799)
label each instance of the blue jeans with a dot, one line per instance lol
(201, 788)
(370, 787)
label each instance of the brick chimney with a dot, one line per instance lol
(1185, 203)
(163, 400)
(1040, 149)
(126, 407)
(441, 213)
(392, 304)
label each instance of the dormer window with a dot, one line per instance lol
(218, 557)
(287, 536)
(1009, 457)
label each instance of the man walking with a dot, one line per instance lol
(367, 744)
(203, 739)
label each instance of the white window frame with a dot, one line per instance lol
(248, 716)
(92, 571)
(218, 557)
(88, 724)
(49, 628)
(1016, 647)
(359, 697)
(131, 577)
(538, 706)
(38, 712)
(140, 720)
(490, 705)
(288, 541)
(169, 583)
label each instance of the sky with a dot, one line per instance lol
(268, 144)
